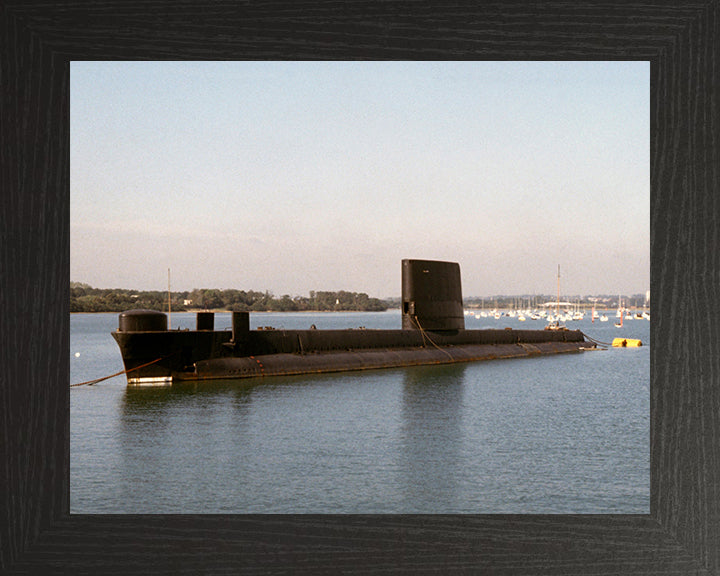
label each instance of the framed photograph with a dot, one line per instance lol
(40, 533)
(282, 194)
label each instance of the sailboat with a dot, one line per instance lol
(619, 314)
(554, 321)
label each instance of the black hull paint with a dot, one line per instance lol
(433, 333)
(199, 355)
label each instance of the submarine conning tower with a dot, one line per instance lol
(431, 295)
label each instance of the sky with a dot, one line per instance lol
(299, 176)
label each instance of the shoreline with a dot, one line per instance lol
(221, 311)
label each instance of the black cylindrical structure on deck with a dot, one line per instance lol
(240, 326)
(205, 321)
(431, 295)
(142, 321)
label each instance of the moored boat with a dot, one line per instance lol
(433, 332)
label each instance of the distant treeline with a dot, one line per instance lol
(85, 298)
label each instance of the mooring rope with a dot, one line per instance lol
(595, 341)
(91, 382)
(425, 335)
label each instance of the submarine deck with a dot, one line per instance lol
(199, 354)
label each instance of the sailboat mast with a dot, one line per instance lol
(557, 307)
(169, 311)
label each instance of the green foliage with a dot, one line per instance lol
(85, 298)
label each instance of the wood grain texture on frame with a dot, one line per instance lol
(681, 535)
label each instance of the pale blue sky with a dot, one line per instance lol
(299, 176)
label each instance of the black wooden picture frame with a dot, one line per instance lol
(38, 40)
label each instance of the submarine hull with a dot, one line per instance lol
(325, 362)
(433, 332)
(163, 357)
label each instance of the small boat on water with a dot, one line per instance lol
(554, 324)
(433, 332)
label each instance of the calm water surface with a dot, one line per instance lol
(562, 434)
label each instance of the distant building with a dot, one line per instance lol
(187, 302)
(647, 297)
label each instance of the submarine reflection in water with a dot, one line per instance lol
(433, 332)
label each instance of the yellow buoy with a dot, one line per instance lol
(626, 343)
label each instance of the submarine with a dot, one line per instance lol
(432, 332)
